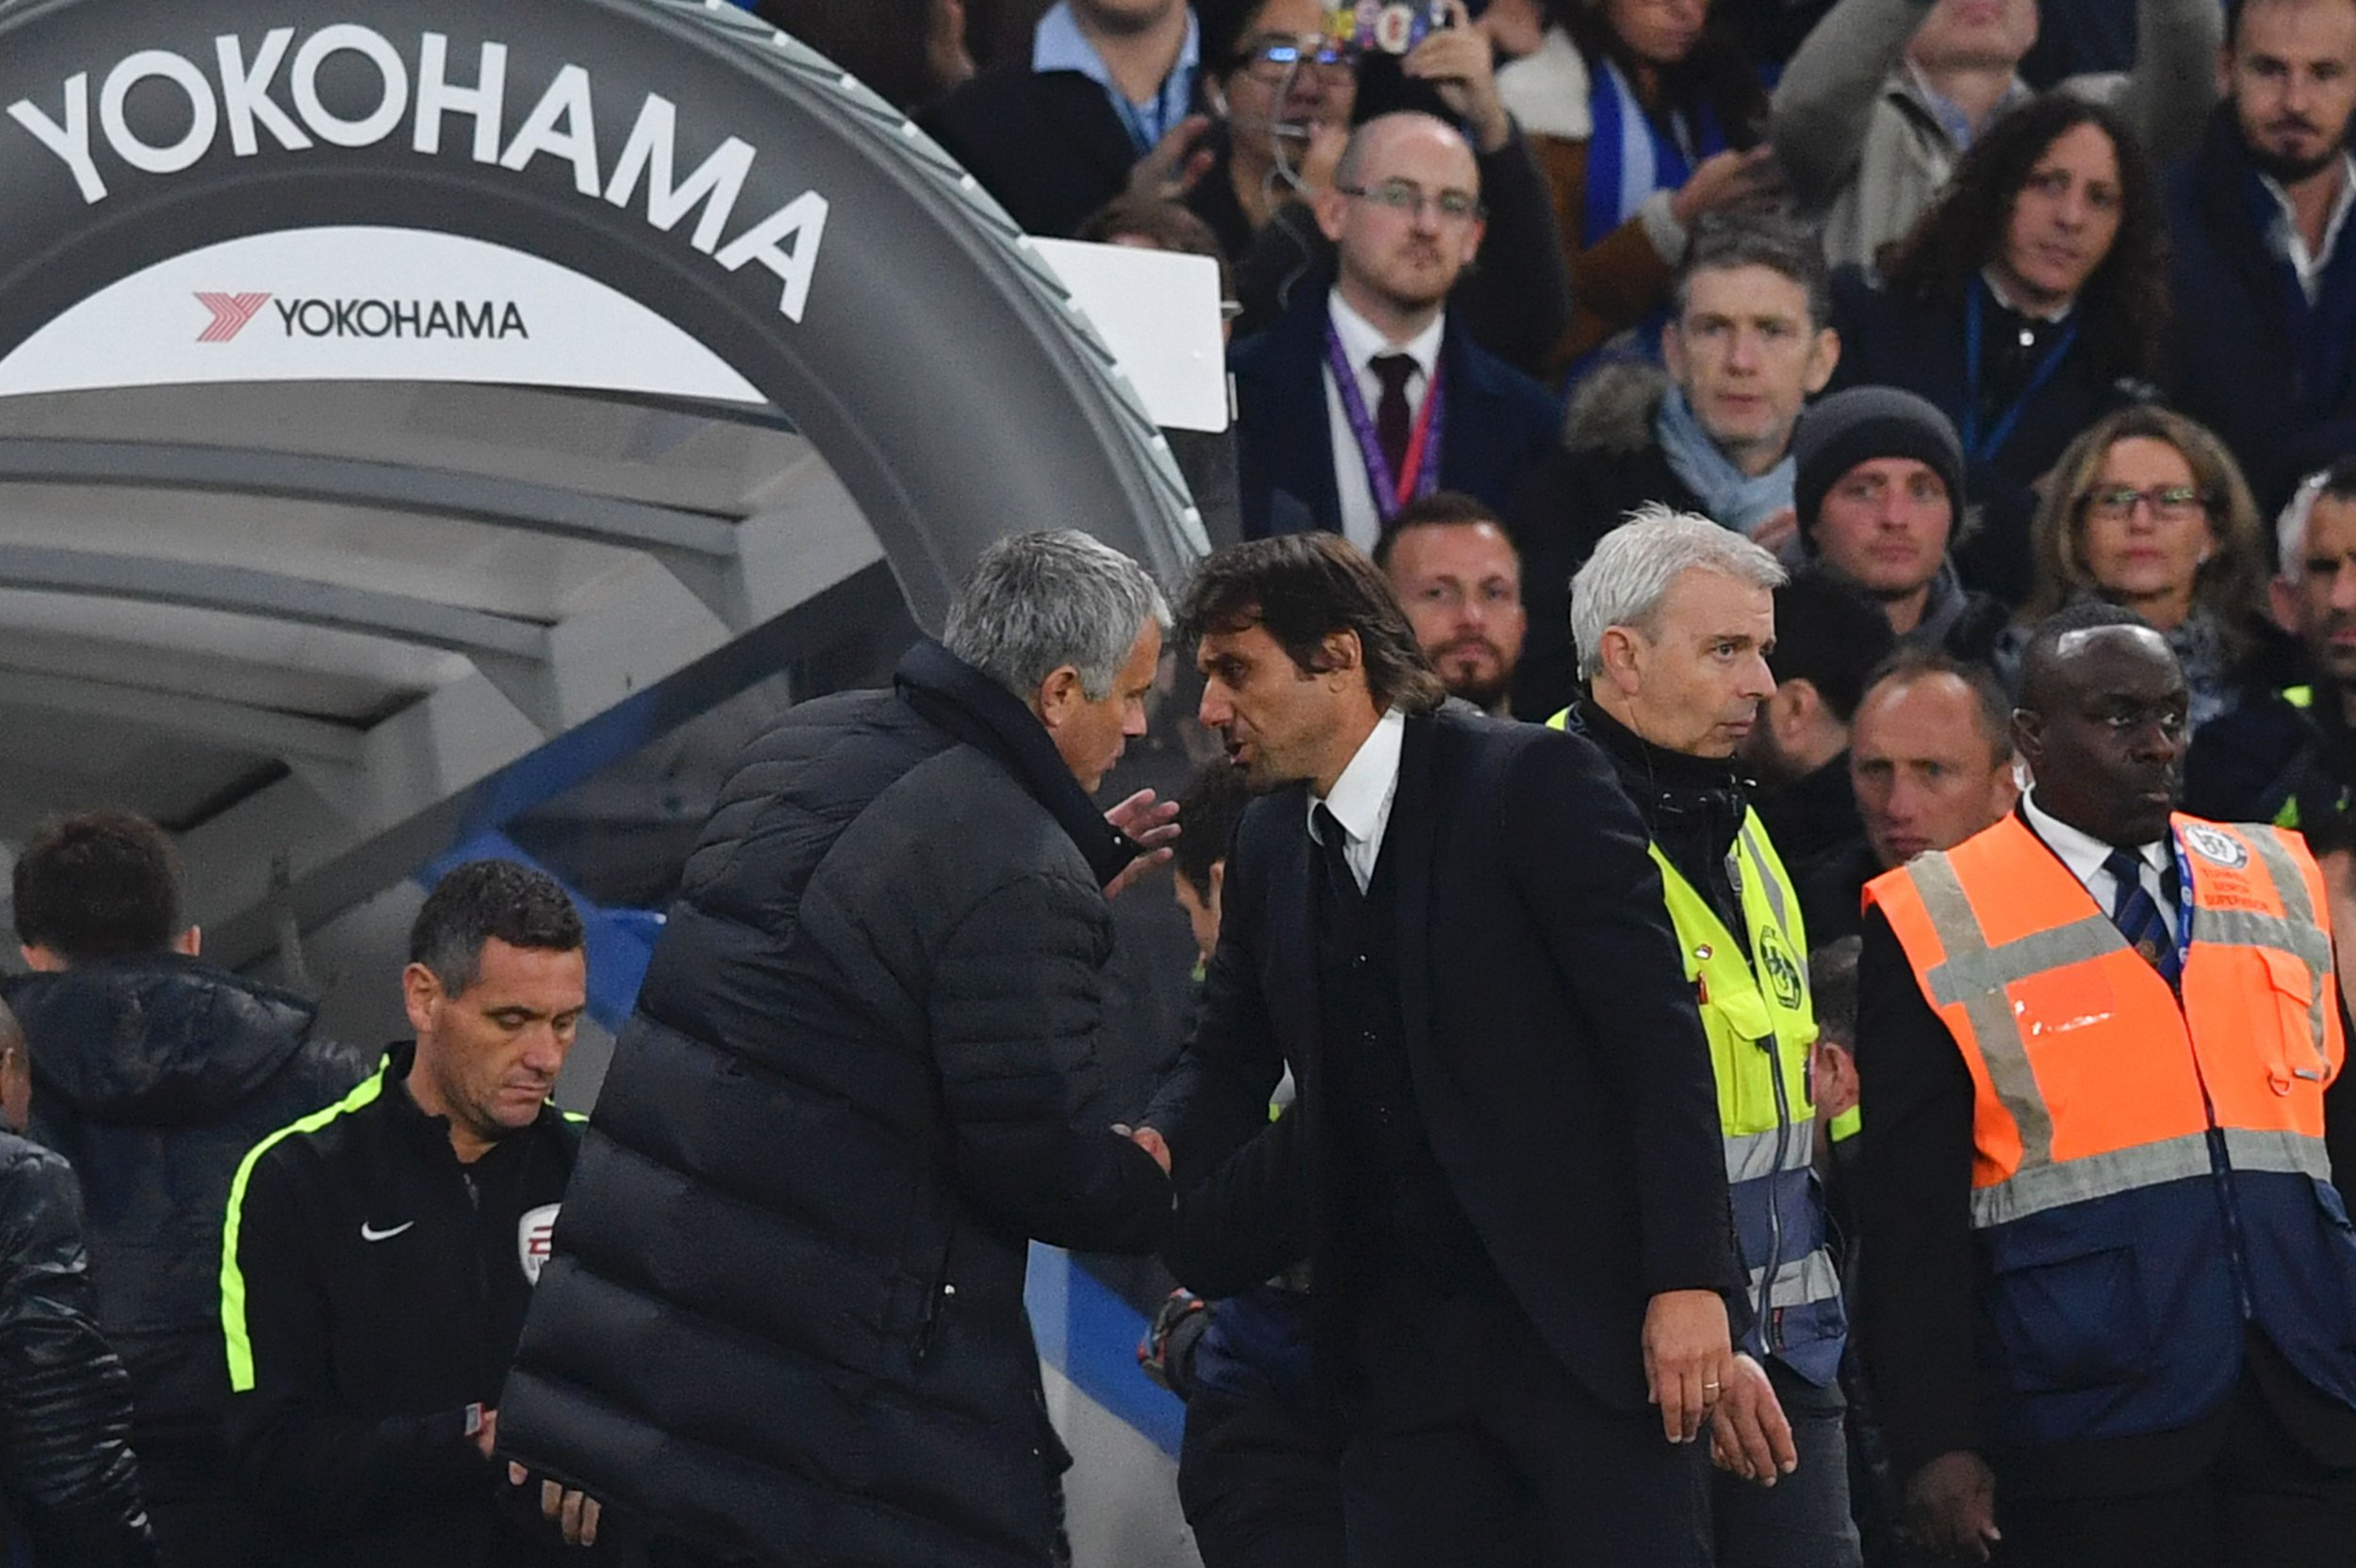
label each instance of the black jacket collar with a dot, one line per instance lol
(967, 705)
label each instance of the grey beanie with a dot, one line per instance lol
(1859, 425)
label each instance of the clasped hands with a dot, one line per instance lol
(1695, 1374)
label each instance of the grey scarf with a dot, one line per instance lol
(1734, 498)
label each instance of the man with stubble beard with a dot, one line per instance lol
(2263, 270)
(1461, 581)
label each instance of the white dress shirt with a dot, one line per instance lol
(1361, 796)
(2308, 263)
(2084, 854)
(1362, 340)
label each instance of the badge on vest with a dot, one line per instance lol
(533, 1235)
(2210, 844)
(1782, 971)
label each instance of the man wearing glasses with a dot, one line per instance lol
(1366, 397)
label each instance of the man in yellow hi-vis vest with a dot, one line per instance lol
(1674, 618)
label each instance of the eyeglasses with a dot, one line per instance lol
(1271, 55)
(1405, 196)
(2173, 503)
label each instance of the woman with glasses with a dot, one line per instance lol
(1283, 95)
(2030, 301)
(2148, 510)
(1646, 115)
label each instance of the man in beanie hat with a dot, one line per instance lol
(1879, 491)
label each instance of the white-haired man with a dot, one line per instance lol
(1675, 618)
(791, 1264)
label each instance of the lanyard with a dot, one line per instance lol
(1973, 448)
(1420, 475)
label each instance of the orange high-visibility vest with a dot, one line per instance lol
(2148, 1174)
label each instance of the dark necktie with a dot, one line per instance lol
(1341, 884)
(2139, 917)
(1391, 422)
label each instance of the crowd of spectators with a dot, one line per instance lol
(1979, 306)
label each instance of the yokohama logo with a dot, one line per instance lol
(232, 314)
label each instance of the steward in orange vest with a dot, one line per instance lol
(2108, 1272)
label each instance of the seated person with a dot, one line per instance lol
(1748, 343)
(1645, 119)
(2291, 758)
(1829, 637)
(1886, 97)
(1879, 491)
(2147, 510)
(2026, 304)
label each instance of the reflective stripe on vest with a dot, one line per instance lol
(1759, 1021)
(2147, 1173)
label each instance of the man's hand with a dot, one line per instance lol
(1689, 1358)
(573, 1513)
(1459, 61)
(1950, 1506)
(487, 1434)
(1176, 162)
(1149, 1140)
(1748, 1433)
(1150, 822)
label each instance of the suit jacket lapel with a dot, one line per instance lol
(1291, 978)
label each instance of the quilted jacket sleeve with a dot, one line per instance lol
(1015, 1004)
(65, 1400)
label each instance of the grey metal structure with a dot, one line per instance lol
(327, 628)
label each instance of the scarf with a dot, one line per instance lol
(1624, 167)
(1731, 497)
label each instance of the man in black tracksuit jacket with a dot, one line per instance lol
(379, 1256)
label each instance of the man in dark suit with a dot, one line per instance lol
(1422, 407)
(1105, 101)
(1502, 1164)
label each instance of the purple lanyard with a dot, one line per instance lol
(1423, 449)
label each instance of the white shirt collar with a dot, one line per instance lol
(1361, 798)
(1996, 287)
(2309, 265)
(2084, 854)
(1362, 339)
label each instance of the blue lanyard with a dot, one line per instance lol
(2184, 902)
(1973, 448)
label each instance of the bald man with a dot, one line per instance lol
(1365, 396)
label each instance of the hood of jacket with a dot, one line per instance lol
(156, 1040)
(1614, 408)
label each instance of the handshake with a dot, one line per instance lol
(1149, 1140)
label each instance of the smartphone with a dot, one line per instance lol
(1383, 26)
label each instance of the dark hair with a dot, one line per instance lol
(1723, 241)
(1166, 225)
(885, 43)
(102, 885)
(483, 898)
(1716, 74)
(1209, 811)
(1304, 587)
(1831, 635)
(1440, 509)
(1833, 988)
(2044, 645)
(2124, 303)
(1910, 664)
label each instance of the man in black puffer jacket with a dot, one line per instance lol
(69, 1487)
(784, 1316)
(156, 1073)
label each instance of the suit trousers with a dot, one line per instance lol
(2263, 1502)
(1470, 1446)
(1260, 1484)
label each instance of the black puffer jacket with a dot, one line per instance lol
(66, 1471)
(153, 1076)
(784, 1316)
